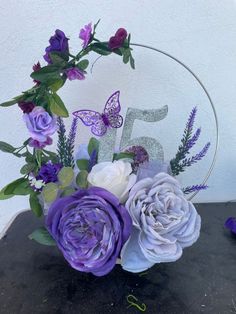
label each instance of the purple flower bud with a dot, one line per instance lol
(26, 107)
(231, 224)
(48, 172)
(140, 155)
(117, 41)
(39, 145)
(36, 67)
(58, 42)
(85, 34)
(75, 74)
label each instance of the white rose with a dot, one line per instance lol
(116, 177)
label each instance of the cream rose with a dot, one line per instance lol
(116, 177)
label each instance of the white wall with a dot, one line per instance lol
(200, 33)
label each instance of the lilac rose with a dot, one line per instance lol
(164, 223)
(58, 42)
(40, 124)
(75, 74)
(90, 228)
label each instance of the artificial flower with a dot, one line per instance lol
(58, 42)
(48, 172)
(37, 185)
(38, 144)
(164, 223)
(90, 228)
(117, 41)
(75, 74)
(85, 34)
(26, 106)
(231, 224)
(40, 124)
(36, 67)
(116, 177)
(140, 155)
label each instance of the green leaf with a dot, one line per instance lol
(101, 49)
(126, 55)
(8, 103)
(83, 64)
(42, 236)
(132, 63)
(58, 59)
(93, 145)
(49, 192)
(46, 74)
(57, 84)
(66, 176)
(83, 164)
(3, 196)
(35, 205)
(27, 168)
(67, 191)
(6, 148)
(123, 156)
(57, 106)
(81, 179)
(18, 187)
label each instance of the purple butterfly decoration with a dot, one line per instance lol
(100, 122)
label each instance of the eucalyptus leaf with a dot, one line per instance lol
(81, 179)
(66, 176)
(123, 155)
(57, 106)
(67, 191)
(82, 164)
(42, 236)
(93, 145)
(35, 205)
(6, 148)
(49, 192)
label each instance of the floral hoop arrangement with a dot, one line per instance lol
(101, 206)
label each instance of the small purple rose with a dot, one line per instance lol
(40, 124)
(58, 42)
(117, 41)
(75, 74)
(90, 228)
(40, 145)
(85, 34)
(231, 224)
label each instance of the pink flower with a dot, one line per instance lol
(75, 74)
(117, 41)
(85, 34)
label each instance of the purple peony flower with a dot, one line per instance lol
(164, 223)
(48, 172)
(90, 228)
(58, 42)
(40, 145)
(26, 107)
(85, 34)
(40, 124)
(75, 74)
(117, 41)
(231, 224)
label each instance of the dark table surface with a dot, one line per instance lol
(35, 279)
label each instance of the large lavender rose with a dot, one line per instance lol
(90, 228)
(164, 223)
(40, 124)
(58, 42)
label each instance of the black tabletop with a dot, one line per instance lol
(36, 279)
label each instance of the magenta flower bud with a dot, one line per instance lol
(38, 144)
(117, 41)
(75, 74)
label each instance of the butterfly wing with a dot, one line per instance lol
(88, 117)
(93, 119)
(113, 104)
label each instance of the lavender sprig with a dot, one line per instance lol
(194, 188)
(187, 162)
(61, 144)
(70, 143)
(187, 142)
